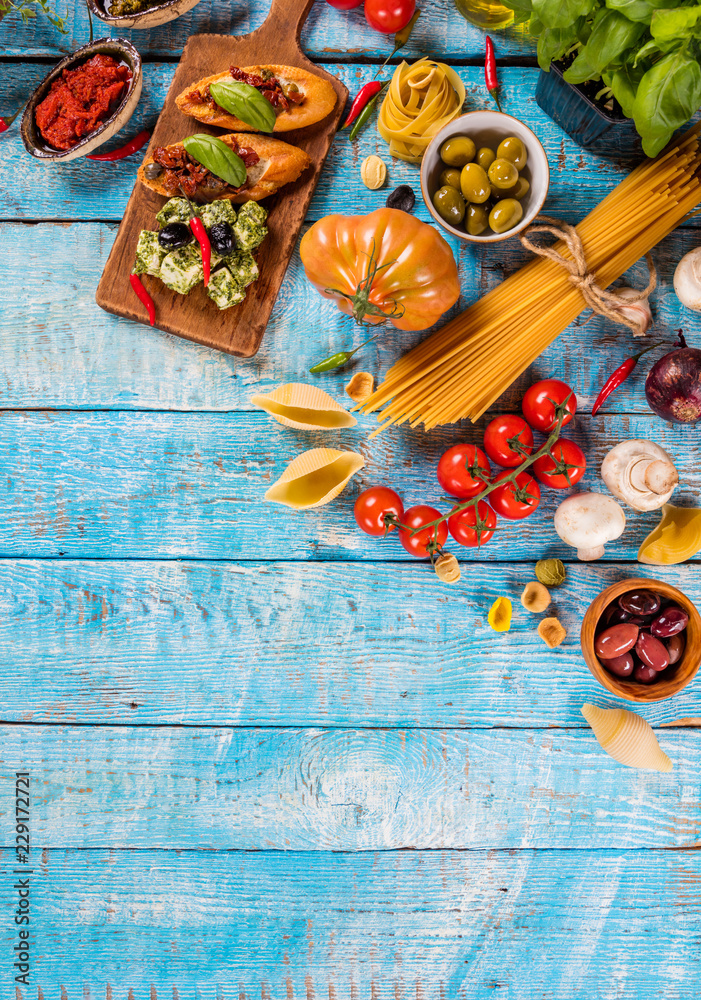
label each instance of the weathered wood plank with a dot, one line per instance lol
(328, 34)
(345, 790)
(163, 485)
(329, 644)
(395, 926)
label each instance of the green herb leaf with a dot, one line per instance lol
(640, 10)
(624, 83)
(677, 23)
(554, 42)
(216, 156)
(668, 95)
(612, 35)
(561, 13)
(246, 103)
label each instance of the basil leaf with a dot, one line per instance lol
(246, 103)
(624, 83)
(639, 10)
(554, 42)
(668, 95)
(561, 13)
(677, 23)
(216, 156)
(612, 35)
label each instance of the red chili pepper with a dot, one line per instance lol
(7, 120)
(618, 378)
(197, 226)
(133, 146)
(490, 72)
(363, 97)
(144, 297)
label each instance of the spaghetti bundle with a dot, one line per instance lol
(461, 370)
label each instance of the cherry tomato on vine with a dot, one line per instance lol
(500, 436)
(540, 400)
(463, 471)
(515, 500)
(344, 4)
(389, 16)
(371, 507)
(564, 467)
(424, 542)
(473, 526)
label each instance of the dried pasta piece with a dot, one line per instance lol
(627, 738)
(360, 387)
(315, 478)
(535, 597)
(499, 616)
(552, 632)
(305, 407)
(447, 568)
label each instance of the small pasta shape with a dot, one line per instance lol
(360, 387)
(305, 407)
(499, 616)
(315, 478)
(627, 738)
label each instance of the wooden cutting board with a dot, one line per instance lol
(238, 330)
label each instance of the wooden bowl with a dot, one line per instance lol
(32, 138)
(160, 13)
(674, 678)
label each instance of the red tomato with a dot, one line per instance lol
(539, 404)
(564, 469)
(389, 16)
(344, 4)
(500, 436)
(371, 507)
(515, 500)
(424, 542)
(463, 471)
(464, 526)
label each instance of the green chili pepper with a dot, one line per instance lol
(366, 113)
(337, 360)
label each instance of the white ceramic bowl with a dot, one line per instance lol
(488, 128)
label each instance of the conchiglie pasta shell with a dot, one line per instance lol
(315, 478)
(305, 407)
(627, 738)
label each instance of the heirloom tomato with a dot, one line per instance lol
(540, 400)
(463, 471)
(563, 467)
(371, 507)
(500, 436)
(515, 500)
(474, 525)
(384, 267)
(423, 543)
(389, 16)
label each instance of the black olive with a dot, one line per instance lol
(174, 235)
(153, 170)
(221, 236)
(402, 198)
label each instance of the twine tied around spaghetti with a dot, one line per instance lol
(608, 304)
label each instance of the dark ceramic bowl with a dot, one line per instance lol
(158, 14)
(32, 138)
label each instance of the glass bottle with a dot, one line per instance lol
(485, 13)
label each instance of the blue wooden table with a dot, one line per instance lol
(269, 756)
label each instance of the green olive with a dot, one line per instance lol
(449, 204)
(474, 183)
(485, 157)
(514, 150)
(476, 219)
(520, 189)
(450, 176)
(502, 174)
(458, 151)
(506, 214)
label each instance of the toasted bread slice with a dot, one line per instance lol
(319, 100)
(279, 164)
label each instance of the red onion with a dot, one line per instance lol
(673, 385)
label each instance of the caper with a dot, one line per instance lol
(502, 174)
(451, 176)
(506, 214)
(485, 157)
(458, 151)
(152, 170)
(449, 204)
(520, 189)
(476, 219)
(174, 235)
(513, 149)
(474, 183)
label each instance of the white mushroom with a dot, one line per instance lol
(687, 280)
(640, 473)
(587, 521)
(637, 311)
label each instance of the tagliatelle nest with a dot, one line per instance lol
(360, 387)
(552, 632)
(447, 568)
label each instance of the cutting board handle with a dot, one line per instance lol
(283, 25)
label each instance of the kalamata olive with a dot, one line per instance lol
(669, 622)
(621, 666)
(644, 674)
(221, 236)
(616, 615)
(675, 647)
(651, 651)
(174, 235)
(616, 640)
(152, 170)
(402, 198)
(640, 602)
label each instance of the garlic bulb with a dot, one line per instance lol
(637, 311)
(627, 738)
(640, 473)
(687, 280)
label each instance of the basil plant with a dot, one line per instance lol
(647, 53)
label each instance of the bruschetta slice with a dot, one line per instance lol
(300, 98)
(270, 164)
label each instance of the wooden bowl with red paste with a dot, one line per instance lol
(85, 100)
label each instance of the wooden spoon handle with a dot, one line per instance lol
(285, 20)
